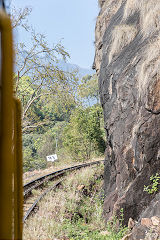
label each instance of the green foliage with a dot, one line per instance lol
(80, 230)
(50, 99)
(83, 211)
(154, 186)
(31, 160)
(88, 90)
(76, 213)
(36, 146)
(39, 81)
(86, 220)
(116, 228)
(31, 164)
(83, 134)
(51, 141)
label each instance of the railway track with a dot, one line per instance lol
(31, 202)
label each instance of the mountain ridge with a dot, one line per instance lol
(68, 67)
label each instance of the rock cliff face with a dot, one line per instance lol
(127, 61)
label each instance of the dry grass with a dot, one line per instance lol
(150, 67)
(59, 206)
(85, 176)
(28, 176)
(122, 35)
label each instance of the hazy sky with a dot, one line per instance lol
(72, 21)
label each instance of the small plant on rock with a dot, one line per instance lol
(152, 188)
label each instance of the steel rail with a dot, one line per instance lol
(30, 210)
(52, 175)
(28, 187)
(38, 184)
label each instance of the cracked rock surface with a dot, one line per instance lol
(127, 61)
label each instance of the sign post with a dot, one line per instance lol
(52, 158)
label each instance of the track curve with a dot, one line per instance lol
(28, 187)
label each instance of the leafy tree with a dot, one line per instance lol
(39, 78)
(31, 159)
(88, 90)
(83, 135)
(45, 110)
(54, 117)
(51, 141)
(38, 146)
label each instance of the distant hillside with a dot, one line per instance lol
(65, 66)
(70, 67)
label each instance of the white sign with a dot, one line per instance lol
(52, 158)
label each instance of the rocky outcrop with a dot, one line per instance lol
(147, 229)
(127, 61)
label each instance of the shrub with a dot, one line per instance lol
(83, 135)
(154, 186)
